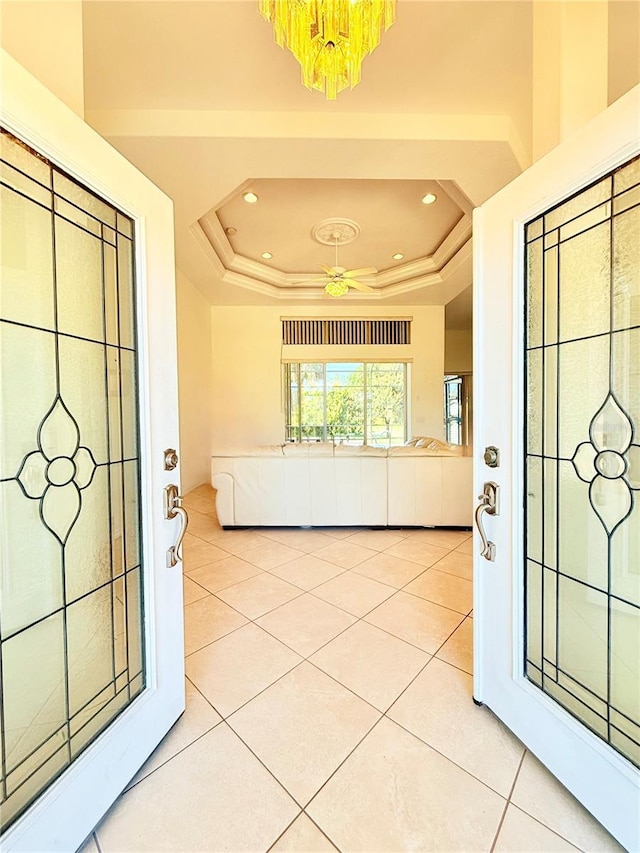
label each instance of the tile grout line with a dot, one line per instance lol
(506, 805)
(285, 830)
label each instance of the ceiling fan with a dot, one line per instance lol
(338, 280)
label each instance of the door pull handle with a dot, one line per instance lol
(172, 508)
(489, 504)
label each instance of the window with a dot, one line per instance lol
(457, 391)
(349, 403)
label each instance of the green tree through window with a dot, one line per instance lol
(352, 403)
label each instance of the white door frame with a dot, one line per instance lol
(69, 809)
(604, 781)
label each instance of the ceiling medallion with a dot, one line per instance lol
(329, 38)
(335, 231)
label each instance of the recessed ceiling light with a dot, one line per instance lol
(252, 198)
(429, 198)
(398, 256)
(267, 256)
(231, 231)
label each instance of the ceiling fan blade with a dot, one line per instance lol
(328, 270)
(358, 285)
(363, 271)
(310, 281)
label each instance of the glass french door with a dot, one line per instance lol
(80, 473)
(558, 627)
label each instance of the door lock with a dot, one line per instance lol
(170, 459)
(489, 503)
(491, 456)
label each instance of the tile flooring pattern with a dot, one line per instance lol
(329, 707)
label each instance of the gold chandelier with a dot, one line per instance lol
(329, 38)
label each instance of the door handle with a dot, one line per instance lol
(489, 504)
(172, 508)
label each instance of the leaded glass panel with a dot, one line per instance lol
(582, 465)
(71, 622)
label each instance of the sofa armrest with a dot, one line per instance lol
(224, 485)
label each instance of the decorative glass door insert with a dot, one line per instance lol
(582, 505)
(71, 625)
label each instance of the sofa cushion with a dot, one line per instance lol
(308, 448)
(427, 450)
(359, 450)
(257, 450)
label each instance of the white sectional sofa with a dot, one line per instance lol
(322, 485)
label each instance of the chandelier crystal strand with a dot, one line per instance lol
(329, 38)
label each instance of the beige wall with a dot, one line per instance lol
(46, 38)
(247, 375)
(194, 383)
(458, 351)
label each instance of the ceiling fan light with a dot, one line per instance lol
(336, 288)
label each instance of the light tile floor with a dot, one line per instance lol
(329, 707)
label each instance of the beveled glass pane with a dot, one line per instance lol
(626, 375)
(79, 281)
(90, 647)
(117, 519)
(584, 385)
(625, 659)
(582, 634)
(534, 509)
(627, 176)
(551, 401)
(534, 401)
(125, 225)
(579, 709)
(534, 613)
(25, 186)
(550, 597)
(585, 696)
(131, 514)
(625, 557)
(626, 746)
(126, 292)
(550, 307)
(582, 537)
(88, 554)
(534, 294)
(81, 367)
(27, 390)
(83, 198)
(626, 269)
(111, 293)
(19, 798)
(21, 157)
(114, 403)
(119, 625)
(27, 593)
(34, 659)
(97, 723)
(585, 263)
(129, 404)
(549, 467)
(77, 216)
(534, 229)
(134, 622)
(587, 220)
(579, 204)
(628, 199)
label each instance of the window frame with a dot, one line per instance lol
(366, 438)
